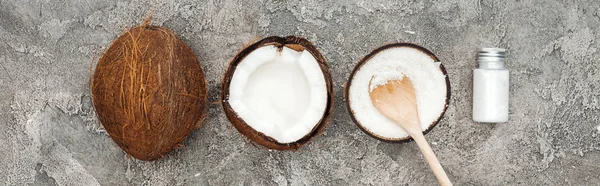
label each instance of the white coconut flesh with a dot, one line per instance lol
(279, 92)
(394, 64)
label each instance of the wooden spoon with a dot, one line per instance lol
(396, 100)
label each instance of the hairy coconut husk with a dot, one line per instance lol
(369, 56)
(295, 43)
(149, 91)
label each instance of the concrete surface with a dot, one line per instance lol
(49, 134)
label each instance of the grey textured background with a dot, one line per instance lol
(49, 134)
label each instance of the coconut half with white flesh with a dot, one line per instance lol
(394, 62)
(278, 92)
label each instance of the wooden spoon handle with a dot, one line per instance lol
(433, 162)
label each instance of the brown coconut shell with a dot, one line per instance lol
(295, 43)
(367, 58)
(149, 91)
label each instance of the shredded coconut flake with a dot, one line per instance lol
(395, 63)
(384, 78)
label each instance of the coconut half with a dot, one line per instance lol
(278, 92)
(396, 61)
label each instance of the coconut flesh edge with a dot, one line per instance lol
(279, 92)
(391, 64)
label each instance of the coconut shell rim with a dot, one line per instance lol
(366, 58)
(298, 44)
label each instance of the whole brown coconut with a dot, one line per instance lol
(298, 44)
(149, 91)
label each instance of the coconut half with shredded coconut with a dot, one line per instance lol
(394, 62)
(278, 92)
